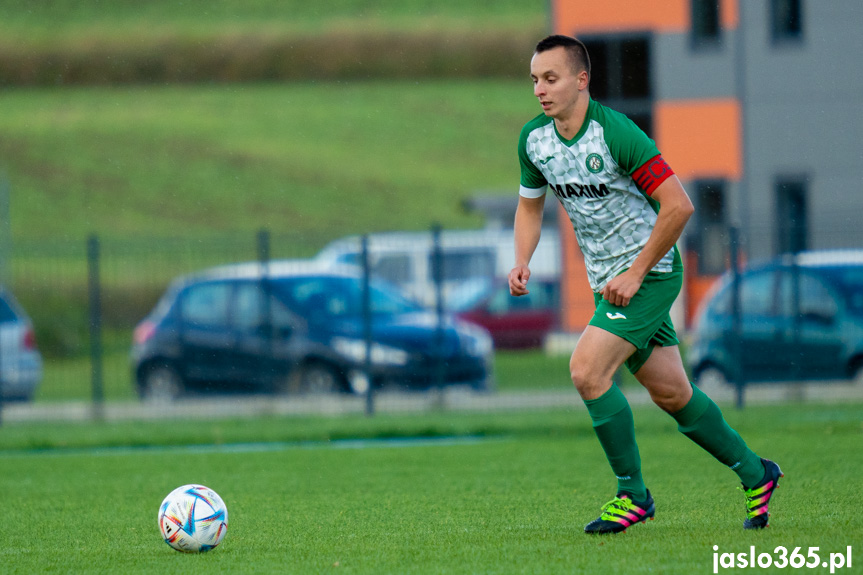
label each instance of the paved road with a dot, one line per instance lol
(450, 400)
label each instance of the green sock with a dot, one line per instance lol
(615, 428)
(702, 422)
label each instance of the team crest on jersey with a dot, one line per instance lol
(594, 163)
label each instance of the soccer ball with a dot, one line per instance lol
(193, 518)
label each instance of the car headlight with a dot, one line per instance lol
(475, 340)
(381, 354)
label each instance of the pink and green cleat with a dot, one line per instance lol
(620, 513)
(758, 497)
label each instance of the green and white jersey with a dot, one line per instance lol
(591, 175)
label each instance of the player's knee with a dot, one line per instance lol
(668, 399)
(586, 380)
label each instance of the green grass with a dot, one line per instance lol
(159, 41)
(513, 504)
(323, 159)
(212, 165)
(69, 379)
(66, 20)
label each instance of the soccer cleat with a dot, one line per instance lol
(758, 497)
(620, 513)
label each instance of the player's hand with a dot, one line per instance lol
(620, 290)
(518, 277)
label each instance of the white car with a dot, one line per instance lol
(20, 360)
(407, 259)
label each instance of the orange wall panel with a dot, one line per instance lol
(728, 14)
(700, 138)
(576, 297)
(583, 17)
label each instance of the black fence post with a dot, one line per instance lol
(263, 249)
(796, 363)
(737, 314)
(5, 248)
(438, 274)
(95, 300)
(367, 326)
(268, 328)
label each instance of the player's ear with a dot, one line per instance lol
(582, 80)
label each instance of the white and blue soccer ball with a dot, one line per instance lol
(193, 518)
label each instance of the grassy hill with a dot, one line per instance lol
(130, 120)
(72, 20)
(68, 42)
(332, 158)
(397, 146)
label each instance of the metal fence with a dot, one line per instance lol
(86, 297)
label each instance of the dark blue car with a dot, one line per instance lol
(801, 318)
(297, 327)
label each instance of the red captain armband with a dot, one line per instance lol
(651, 174)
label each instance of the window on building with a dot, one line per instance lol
(786, 20)
(711, 242)
(706, 29)
(621, 76)
(792, 227)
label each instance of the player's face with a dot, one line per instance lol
(555, 83)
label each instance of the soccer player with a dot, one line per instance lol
(628, 210)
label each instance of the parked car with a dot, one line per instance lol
(20, 360)
(801, 319)
(297, 328)
(513, 322)
(406, 259)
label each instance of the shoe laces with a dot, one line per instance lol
(617, 504)
(756, 499)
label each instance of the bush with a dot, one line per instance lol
(244, 58)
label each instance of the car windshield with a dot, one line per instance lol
(851, 280)
(327, 297)
(469, 293)
(6, 311)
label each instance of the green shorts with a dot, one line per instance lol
(645, 322)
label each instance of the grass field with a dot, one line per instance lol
(69, 20)
(69, 379)
(509, 494)
(325, 159)
(212, 165)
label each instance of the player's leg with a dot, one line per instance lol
(597, 356)
(611, 414)
(697, 416)
(664, 377)
(701, 420)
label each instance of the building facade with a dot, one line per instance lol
(758, 107)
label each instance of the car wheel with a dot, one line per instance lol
(712, 378)
(161, 384)
(316, 378)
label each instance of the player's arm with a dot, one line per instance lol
(528, 227)
(674, 211)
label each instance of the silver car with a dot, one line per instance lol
(20, 360)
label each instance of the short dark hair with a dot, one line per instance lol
(574, 47)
